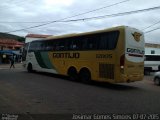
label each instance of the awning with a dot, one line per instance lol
(10, 52)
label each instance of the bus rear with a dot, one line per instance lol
(132, 60)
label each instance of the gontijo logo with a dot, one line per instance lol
(137, 36)
(135, 52)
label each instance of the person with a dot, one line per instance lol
(12, 62)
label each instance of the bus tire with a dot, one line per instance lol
(72, 73)
(29, 68)
(85, 75)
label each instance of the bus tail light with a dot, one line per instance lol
(122, 59)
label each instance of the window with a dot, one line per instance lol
(91, 42)
(152, 58)
(62, 45)
(32, 46)
(39, 46)
(58, 45)
(152, 51)
(100, 41)
(73, 43)
(108, 40)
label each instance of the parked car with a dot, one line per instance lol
(156, 78)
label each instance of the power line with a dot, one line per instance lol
(89, 18)
(113, 15)
(97, 17)
(69, 17)
(101, 8)
(73, 15)
(150, 26)
(151, 30)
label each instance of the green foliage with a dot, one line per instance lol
(15, 37)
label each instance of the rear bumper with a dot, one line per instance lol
(132, 78)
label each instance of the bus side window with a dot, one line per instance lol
(83, 43)
(56, 45)
(62, 45)
(32, 47)
(93, 42)
(76, 45)
(90, 43)
(42, 46)
(39, 46)
(108, 41)
(59, 45)
(73, 44)
(69, 44)
(46, 46)
(103, 42)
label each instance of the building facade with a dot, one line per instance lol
(10, 44)
(33, 37)
(151, 48)
(9, 47)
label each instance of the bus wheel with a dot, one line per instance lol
(29, 68)
(72, 73)
(85, 75)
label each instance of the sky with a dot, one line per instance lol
(20, 14)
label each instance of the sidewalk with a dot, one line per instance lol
(7, 66)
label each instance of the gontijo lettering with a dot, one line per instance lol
(135, 51)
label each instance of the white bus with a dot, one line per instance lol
(152, 62)
(152, 58)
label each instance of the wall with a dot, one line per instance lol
(28, 39)
(149, 49)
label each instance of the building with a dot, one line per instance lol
(32, 37)
(151, 48)
(12, 44)
(9, 47)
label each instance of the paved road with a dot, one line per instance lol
(22, 92)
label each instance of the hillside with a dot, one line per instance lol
(18, 38)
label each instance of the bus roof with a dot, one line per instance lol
(86, 33)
